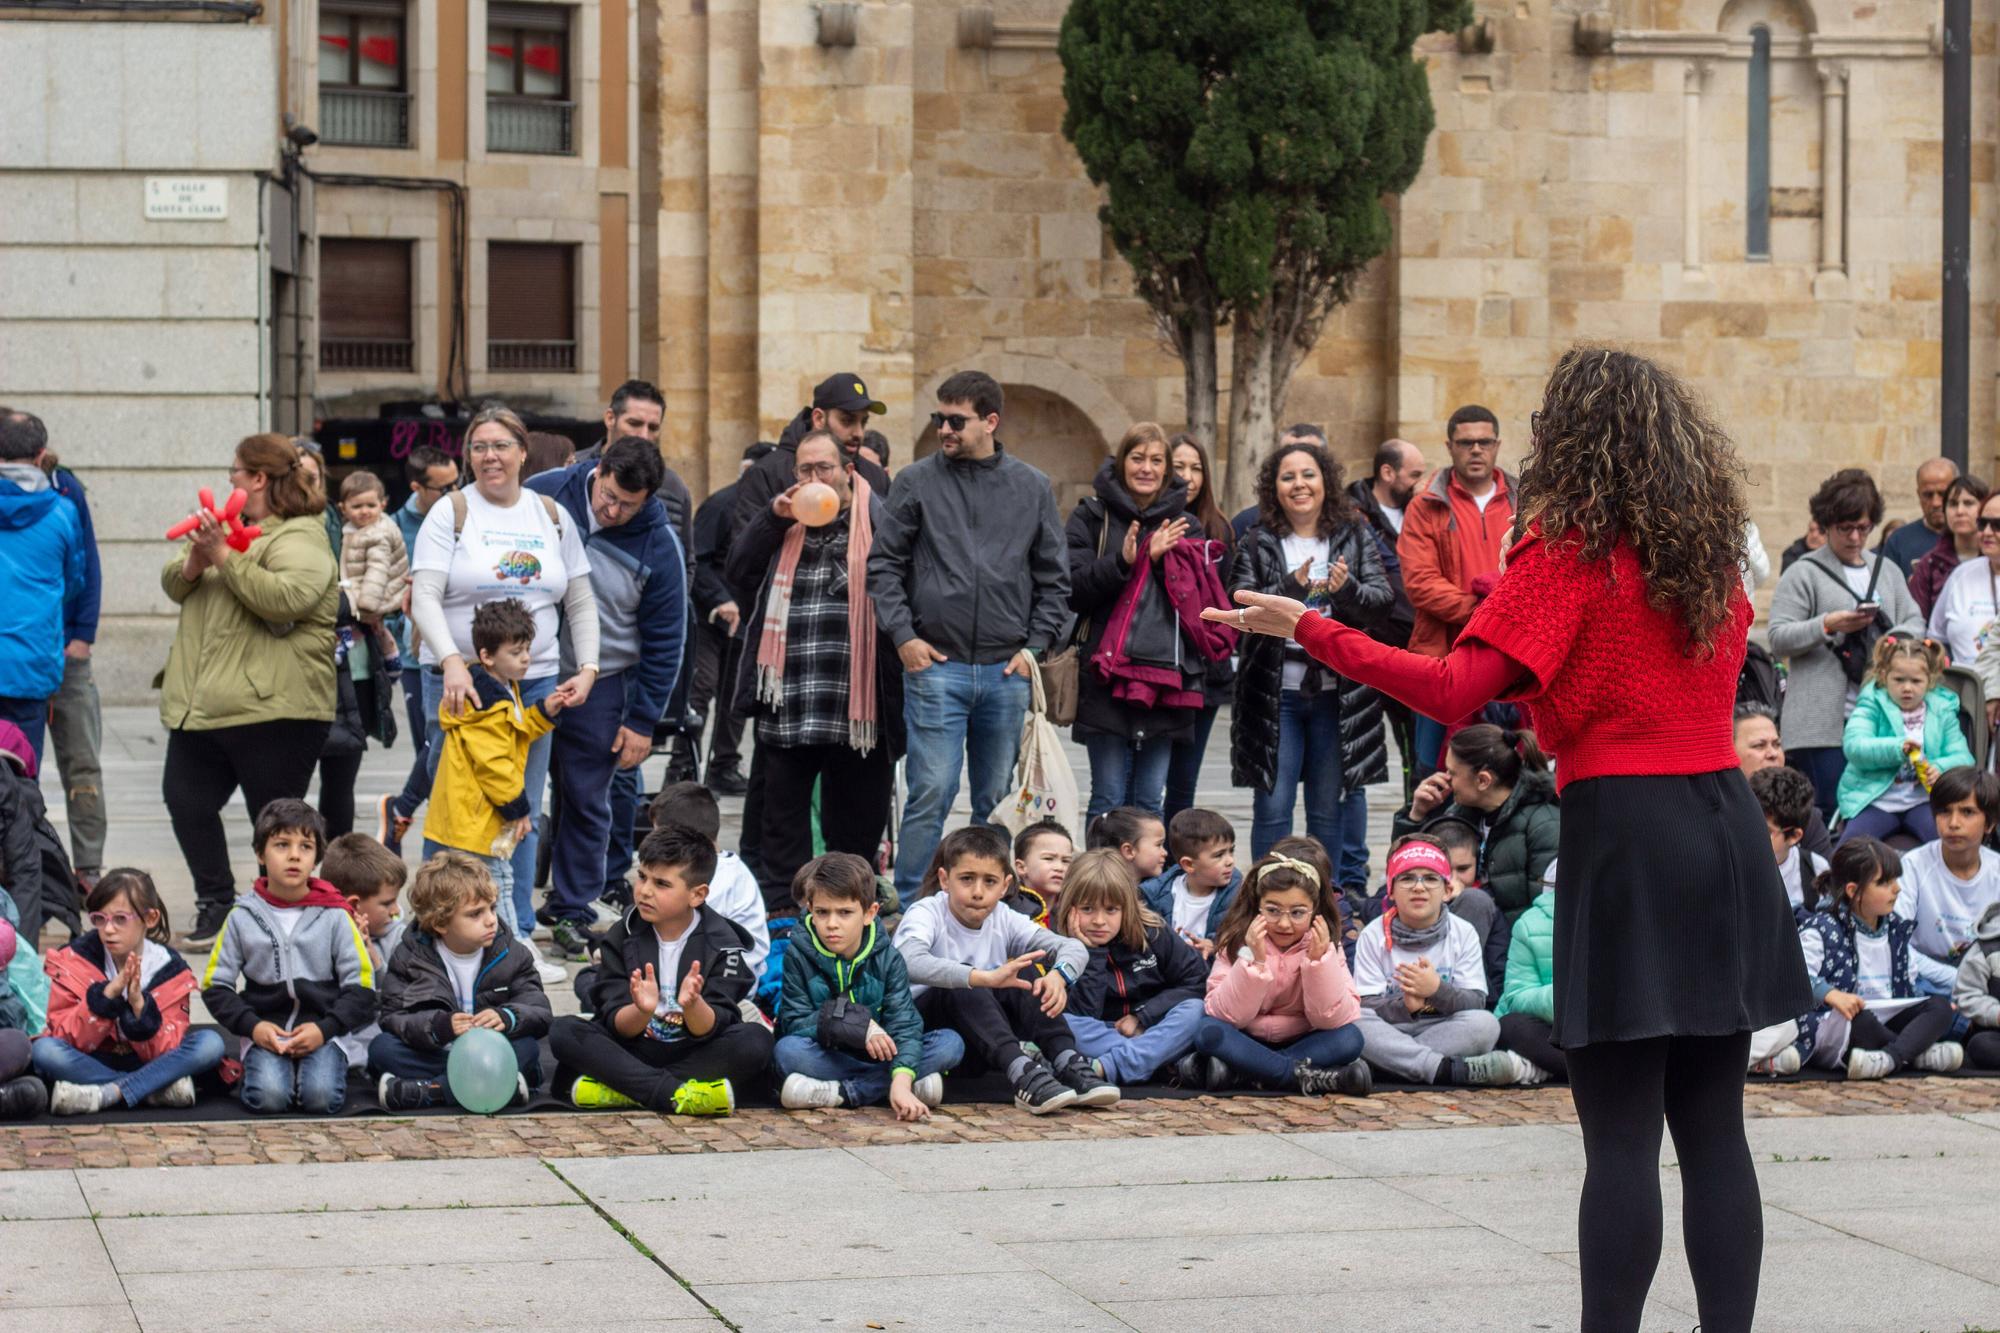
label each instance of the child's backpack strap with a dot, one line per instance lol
(458, 511)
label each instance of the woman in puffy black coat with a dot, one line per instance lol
(1295, 720)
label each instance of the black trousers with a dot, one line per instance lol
(1524, 1034)
(337, 774)
(854, 792)
(268, 760)
(1982, 1050)
(716, 657)
(649, 1071)
(1623, 1091)
(994, 1023)
(1905, 1034)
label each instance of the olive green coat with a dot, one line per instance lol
(255, 640)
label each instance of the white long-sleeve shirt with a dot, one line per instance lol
(1945, 908)
(940, 950)
(733, 893)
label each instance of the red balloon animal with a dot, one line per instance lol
(240, 535)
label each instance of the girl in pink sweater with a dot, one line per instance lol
(1281, 1006)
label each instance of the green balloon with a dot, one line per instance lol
(482, 1071)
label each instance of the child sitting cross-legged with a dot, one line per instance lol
(1135, 834)
(1902, 733)
(1423, 984)
(666, 1031)
(24, 998)
(1042, 853)
(972, 962)
(1949, 884)
(1859, 958)
(1280, 1005)
(1194, 894)
(732, 890)
(1137, 1005)
(1786, 797)
(118, 1008)
(371, 878)
(1977, 992)
(849, 1032)
(458, 969)
(302, 968)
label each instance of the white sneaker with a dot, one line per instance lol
(178, 1094)
(1870, 1064)
(550, 973)
(1535, 1076)
(1942, 1058)
(807, 1094)
(929, 1090)
(76, 1098)
(1497, 1069)
(1785, 1062)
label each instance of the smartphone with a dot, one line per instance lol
(1870, 607)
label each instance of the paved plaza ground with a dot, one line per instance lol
(1439, 1211)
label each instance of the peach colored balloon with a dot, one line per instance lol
(815, 504)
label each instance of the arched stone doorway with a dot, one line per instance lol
(1049, 431)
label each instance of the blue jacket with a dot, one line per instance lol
(1158, 894)
(639, 573)
(80, 616)
(1873, 742)
(42, 570)
(408, 522)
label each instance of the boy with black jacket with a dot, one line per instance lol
(665, 1033)
(303, 968)
(848, 1031)
(458, 969)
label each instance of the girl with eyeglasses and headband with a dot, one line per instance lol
(118, 1008)
(1422, 982)
(1280, 1006)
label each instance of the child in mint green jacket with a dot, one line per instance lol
(1527, 1008)
(1903, 732)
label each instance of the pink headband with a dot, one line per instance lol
(1418, 856)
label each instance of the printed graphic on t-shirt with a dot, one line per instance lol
(518, 565)
(673, 1027)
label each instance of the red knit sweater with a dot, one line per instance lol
(1602, 673)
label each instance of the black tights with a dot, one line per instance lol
(1909, 1032)
(1623, 1090)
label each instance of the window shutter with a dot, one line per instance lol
(534, 18)
(364, 289)
(531, 293)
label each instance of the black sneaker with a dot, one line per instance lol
(1352, 1079)
(1038, 1092)
(569, 941)
(727, 782)
(23, 1098)
(1092, 1091)
(411, 1094)
(207, 925)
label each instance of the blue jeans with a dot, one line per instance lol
(1350, 859)
(199, 1052)
(533, 691)
(584, 766)
(1824, 765)
(957, 716)
(1308, 750)
(502, 870)
(1133, 1059)
(274, 1084)
(1327, 1048)
(390, 1054)
(1873, 822)
(1429, 745)
(864, 1082)
(31, 716)
(624, 814)
(417, 786)
(1124, 772)
(1184, 769)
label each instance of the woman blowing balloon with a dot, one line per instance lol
(1620, 626)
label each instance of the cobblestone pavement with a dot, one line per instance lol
(444, 1138)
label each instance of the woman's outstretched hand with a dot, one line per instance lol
(1261, 613)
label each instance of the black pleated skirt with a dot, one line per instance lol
(1670, 918)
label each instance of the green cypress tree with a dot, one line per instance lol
(1246, 148)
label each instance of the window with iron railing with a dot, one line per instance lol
(364, 96)
(365, 316)
(528, 103)
(530, 307)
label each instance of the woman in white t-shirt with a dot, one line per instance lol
(1963, 619)
(503, 542)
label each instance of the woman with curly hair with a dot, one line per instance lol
(1620, 625)
(1294, 719)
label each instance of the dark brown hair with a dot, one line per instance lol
(290, 491)
(837, 875)
(359, 866)
(1214, 523)
(1336, 509)
(1269, 876)
(138, 889)
(1484, 747)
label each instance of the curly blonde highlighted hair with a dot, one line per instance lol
(1623, 450)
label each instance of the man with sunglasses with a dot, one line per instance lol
(432, 474)
(1454, 532)
(970, 577)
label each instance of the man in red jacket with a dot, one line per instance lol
(1454, 532)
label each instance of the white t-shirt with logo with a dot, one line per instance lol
(1963, 618)
(1945, 908)
(513, 552)
(1191, 912)
(463, 971)
(1456, 958)
(1298, 550)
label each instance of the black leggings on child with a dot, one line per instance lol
(1524, 1034)
(1623, 1090)
(1905, 1034)
(994, 1023)
(1982, 1050)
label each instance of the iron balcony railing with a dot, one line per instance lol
(529, 125)
(364, 117)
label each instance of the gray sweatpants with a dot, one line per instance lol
(1412, 1052)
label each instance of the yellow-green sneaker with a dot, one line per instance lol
(705, 1097)
(590, 1095)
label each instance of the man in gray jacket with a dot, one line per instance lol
(970, 579)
